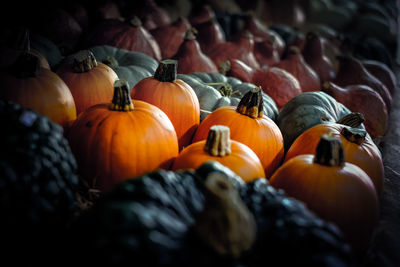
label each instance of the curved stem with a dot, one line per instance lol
(353, 119)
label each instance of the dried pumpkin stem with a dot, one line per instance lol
(353, 119)
(191, 34)
(224, 67)
(166, 70)
(26, 65)
(329, 151)
(251, 104)
(354, 135)
(121, 100)
(22, 41)
(218, 142)
(225, 89)
(110, 61)
(84, 61)
(225, 224)
(135, 21)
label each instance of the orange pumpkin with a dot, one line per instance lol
(358, 146)
(90, 82)
(173, 96)
(249, 126)
(122, 140)
(335, 190)
(38, 88)
(219, 147)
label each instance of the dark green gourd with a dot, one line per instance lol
(175, 219)
(38, 183)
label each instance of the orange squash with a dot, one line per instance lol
(38, 88)
(358, 146)
(125, 139)
(219, 147)
(90, 82)
(173, 96)
(249, 126)
(334, 189)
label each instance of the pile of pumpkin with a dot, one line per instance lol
(141, 92)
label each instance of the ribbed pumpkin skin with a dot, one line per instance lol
(177, 99)
(344, 195)
(89, 88)
(111, 146)
(262, 135)
(366, 155)
(243, 161)
(47, 94)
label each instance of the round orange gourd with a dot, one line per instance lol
(173, 96)
(125, 139)
(335, 190)
(38, 88)
(358, 146)
(219, 147)
(249, 126)
(90, 82)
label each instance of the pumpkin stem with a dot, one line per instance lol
(84, 61)
(225, 89)
(166, 70)
(218, 143)
(329, 151)
(251, 103)
(353, 119)
(26, 65)
(110, 61)
(135, 21)
(224, 67)
(225, 224)
(121, 100)
(22, 41)
(191, 34)
(354, 135)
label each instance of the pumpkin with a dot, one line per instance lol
(276, 82)
(249, 126)
(355, 98)
(314, 54)
(382, 72)
(173, 96)
(266, 53)
(352, 71)
(130, 66)
(334, 189)
(189, 51)
(129, 35)
(262, 32)
(90, 82)
(29, 85)
(18, 42)
(240, 47)
(306, 110)
(219, 147)
(358, 147)
(295, 64)
(171, 36)
(47, 48)
(56, 24)
(38, 185)
(113, 142)
(209, 34)
(215, 90)
(179, 206)
(148, 9)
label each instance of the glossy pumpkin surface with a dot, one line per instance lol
(365, 155)
(112, 145)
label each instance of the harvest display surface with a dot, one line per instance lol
(185, 132)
